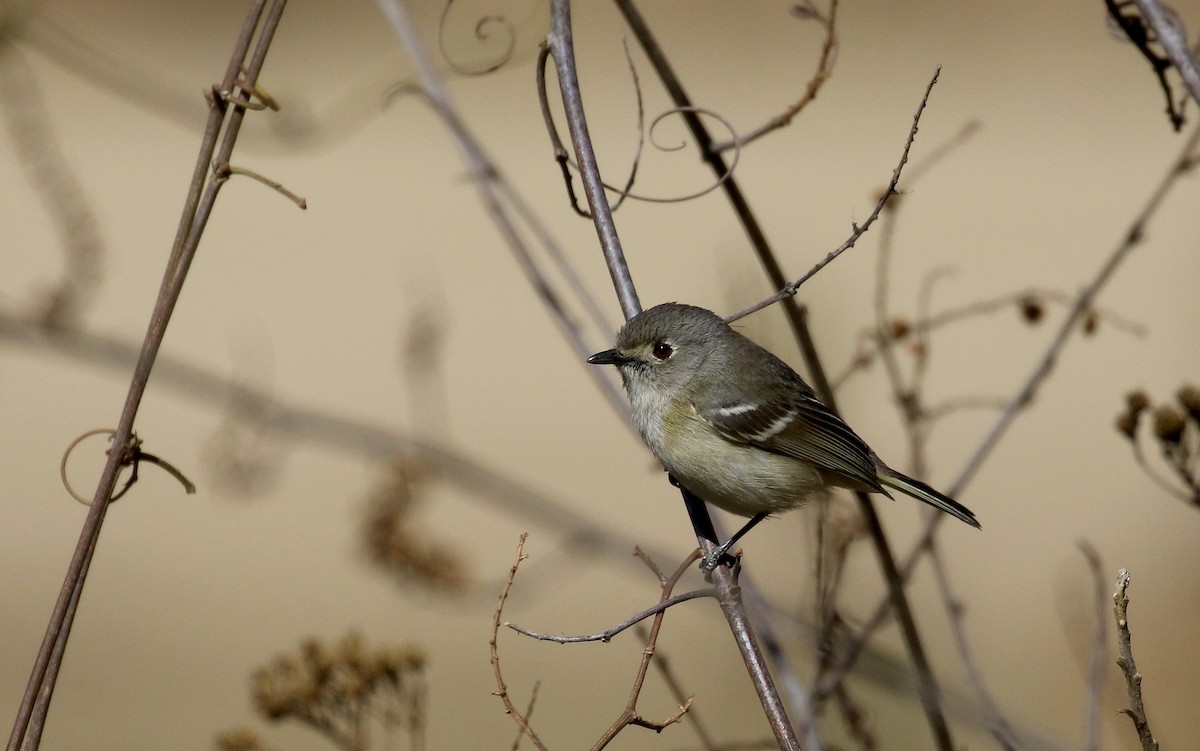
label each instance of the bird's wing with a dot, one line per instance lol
(796, 425)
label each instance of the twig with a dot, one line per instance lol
(857, 230)
(31, 718)
(501, 689)
(909, 396)
(1133, 679)
(607, 634)
(278, 187)
(629, 715)
(869, 345)
(491, 186)
(537, 685)
(663, 665)
(822, 74)
(995, 722)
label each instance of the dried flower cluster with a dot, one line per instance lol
(1176, 428)
(395, 543)
(340, 690)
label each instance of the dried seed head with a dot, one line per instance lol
(1189, 396)
(1031, 308)
(1168, 424)
(1127, 423)
(1137, 401)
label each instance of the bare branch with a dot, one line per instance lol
(501, 688)
(822, 74)
(607, 634)
(1133, 679)
(563, 50)
(790, 289)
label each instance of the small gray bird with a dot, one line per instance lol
(735, 425)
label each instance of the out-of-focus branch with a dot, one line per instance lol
(363, 439)
(491, 186)
(1099, 647)
(50, 176)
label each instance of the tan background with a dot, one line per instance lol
(188, 594)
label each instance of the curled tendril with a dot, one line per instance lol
(733, 162)
(484, 29)
(133, 457)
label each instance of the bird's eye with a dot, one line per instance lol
(662, 350)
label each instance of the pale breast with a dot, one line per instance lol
(736, 477)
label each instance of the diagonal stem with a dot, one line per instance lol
(31, 717)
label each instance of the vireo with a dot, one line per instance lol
(735, 425)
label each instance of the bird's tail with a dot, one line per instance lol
(923, 492)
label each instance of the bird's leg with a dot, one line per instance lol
(714, 557)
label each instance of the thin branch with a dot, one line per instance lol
(822, 74)
(501, 688)
(869, 344)
(1136, 32)
(562, 49)
(607, 634)
(630, 716)
(31, 718)
(857, 230)
(1133, 679)
(663, 665)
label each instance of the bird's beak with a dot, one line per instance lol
(607, 357)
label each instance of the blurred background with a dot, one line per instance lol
(391, 309)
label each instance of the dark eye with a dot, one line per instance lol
(662, 350)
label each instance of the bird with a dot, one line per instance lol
(737, 426)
